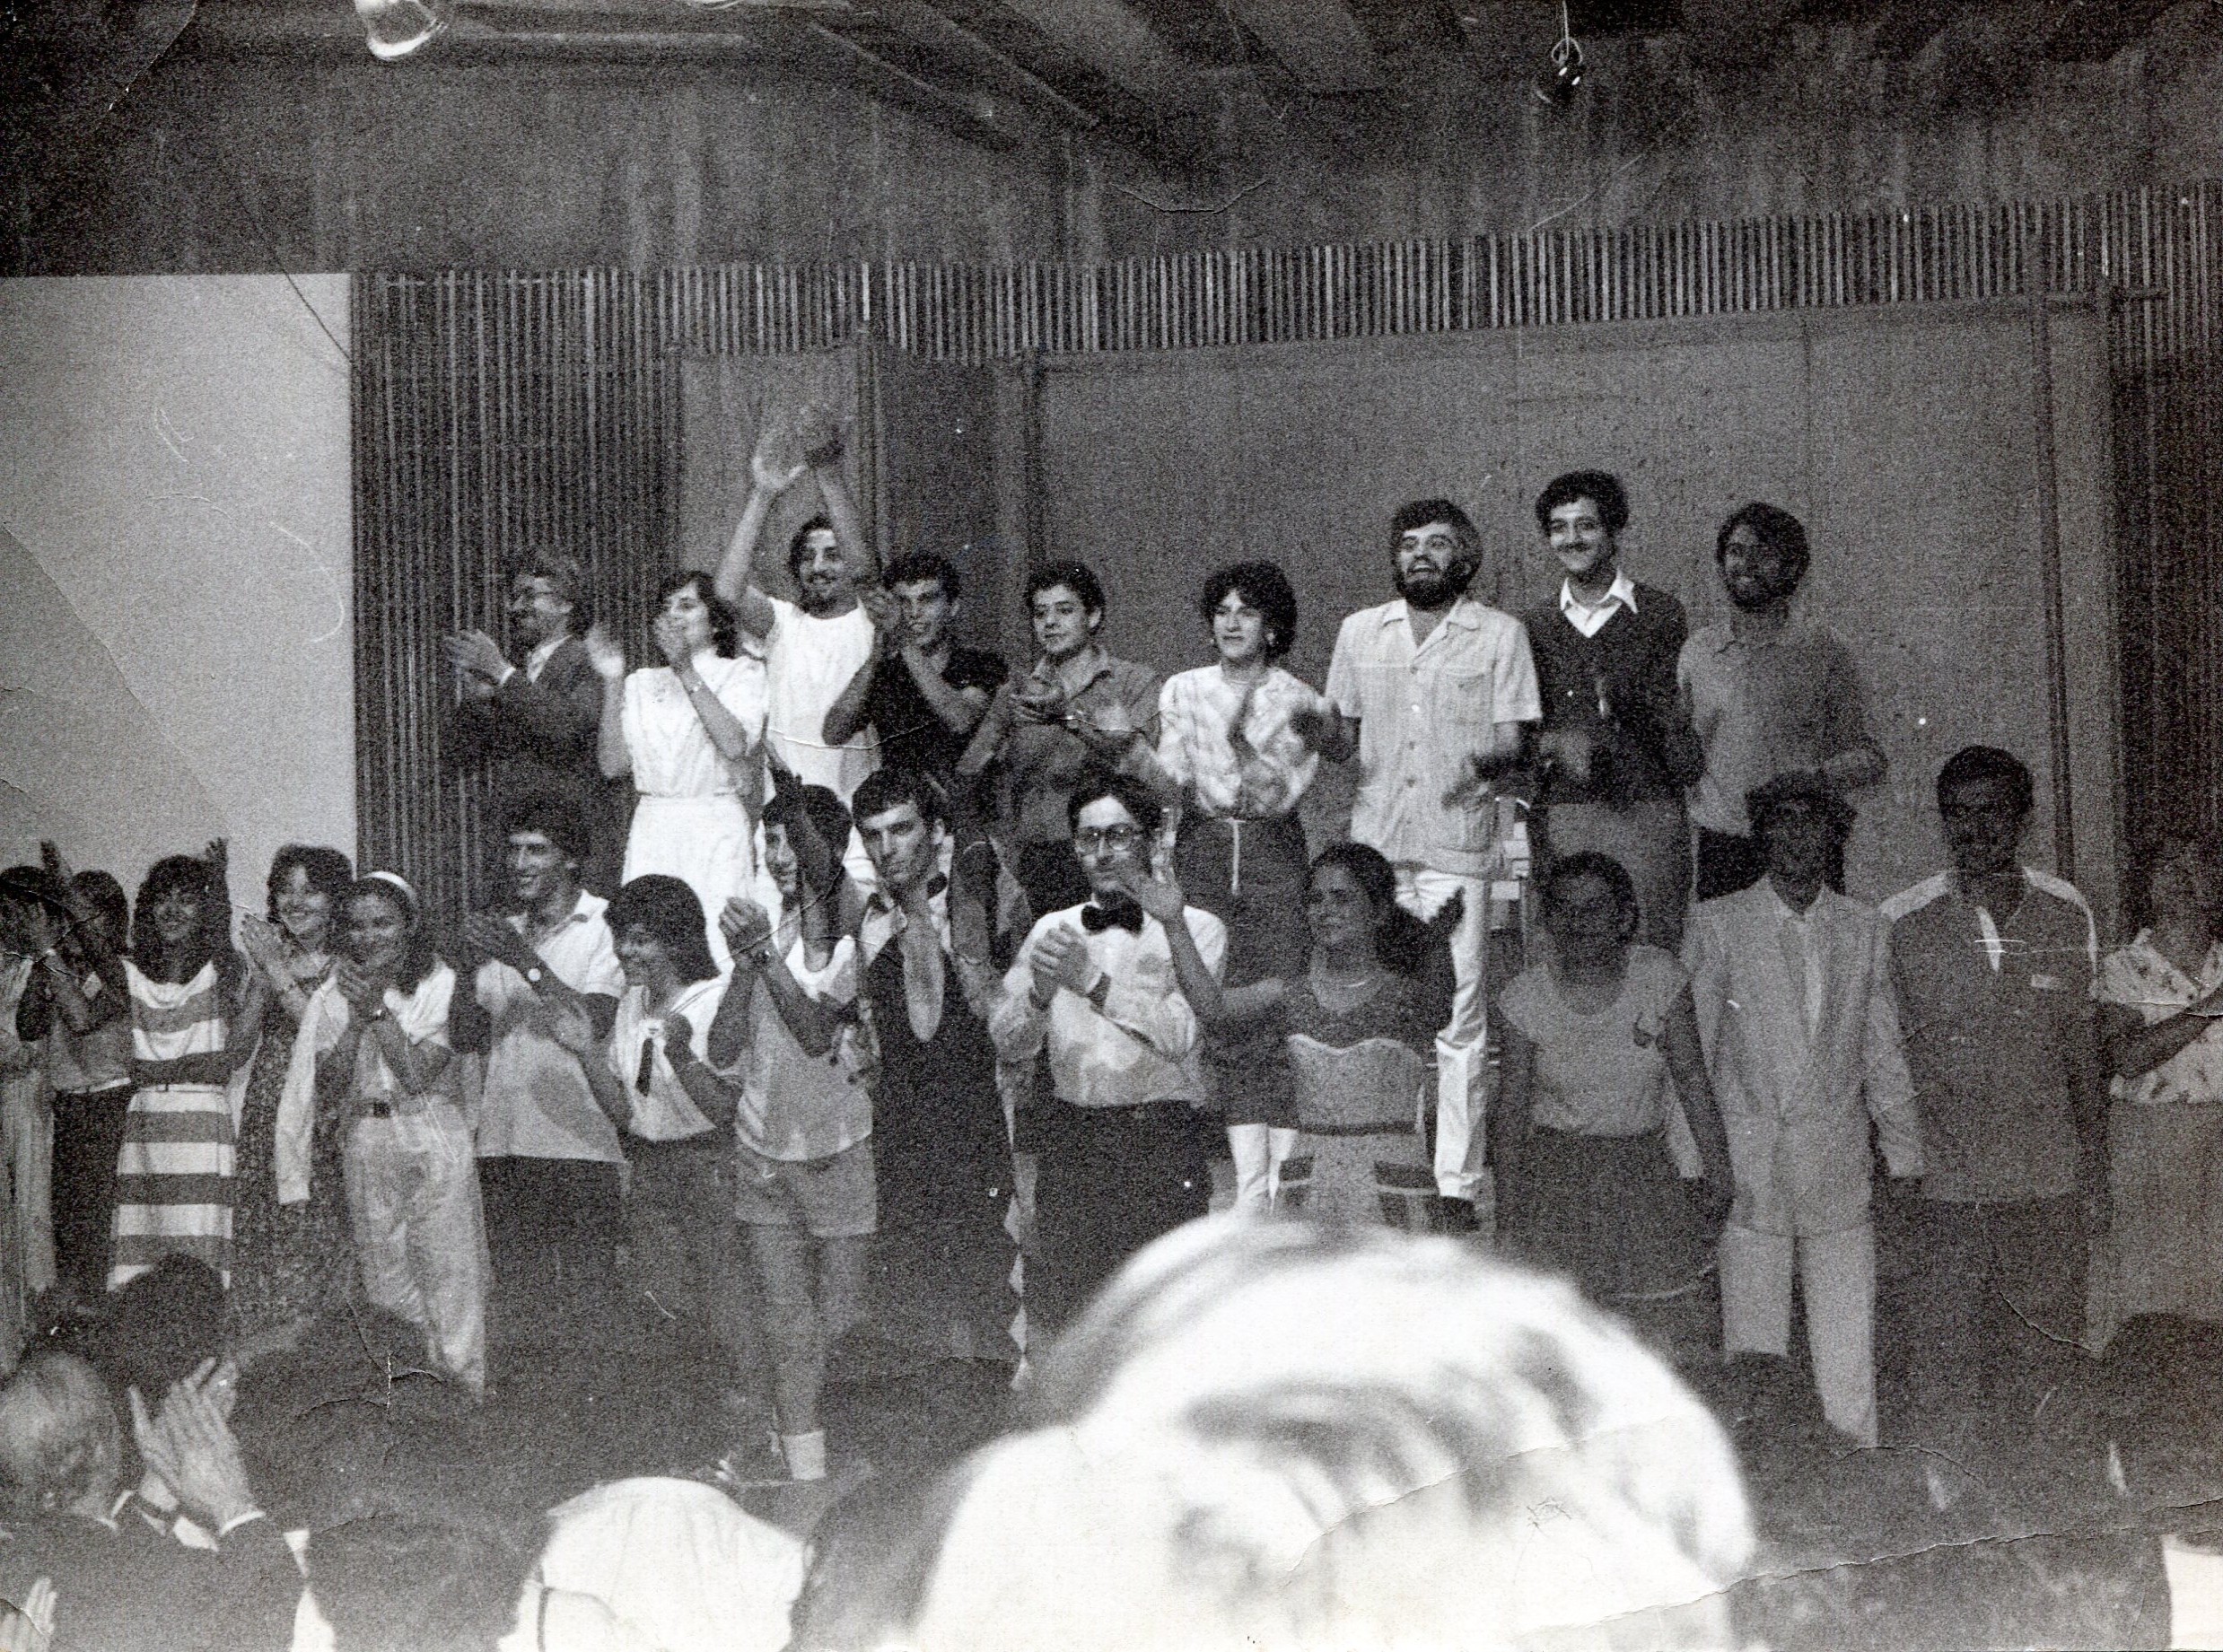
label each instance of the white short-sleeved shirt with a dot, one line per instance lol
(808, 662)
(1423, 708)
(536, 1102)
(664, 1111)
(2139, 978)
(796, 1105)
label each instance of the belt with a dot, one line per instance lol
(378, 1109)
(702, 1140)
(1402, 1127)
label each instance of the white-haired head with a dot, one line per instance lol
(1276, 1435)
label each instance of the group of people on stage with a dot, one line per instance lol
(892, 933)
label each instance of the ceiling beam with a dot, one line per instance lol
(1112, 37)
(1320, 43)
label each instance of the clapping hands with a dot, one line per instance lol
(190, 1448)
(477, 657)
(604, 654)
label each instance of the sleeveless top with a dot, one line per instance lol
(939, 1143)
(1361, 1069)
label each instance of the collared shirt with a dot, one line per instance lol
(884, 919)
(1201, 715)
(2139, 978)
(809, 660)
(1423, 708)
(1999, 1023)
(536, 1102)
(1802, 956)
(1590, 617)
(1142, 1045)
(912, 734)
(1764, 707)
(665, 1112)
(1044, 759)
(795, 1106)
(537, 661)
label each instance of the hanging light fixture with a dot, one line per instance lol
(1568, 67)
(396, 28)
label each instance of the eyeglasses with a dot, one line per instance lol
(1093, 840)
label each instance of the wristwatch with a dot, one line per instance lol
(533, 974)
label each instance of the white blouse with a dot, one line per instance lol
(671, 751)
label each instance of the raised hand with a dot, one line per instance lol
(218, 856)
(1061, 959)
(880, 608)
(671, 640)
(475, 654)
(1160, 898)
(820, 434)
(570, 1026)
(1036, 701)
(603, 653)
(363, 990)
(765, 468)
(745, 925)
(492, 936)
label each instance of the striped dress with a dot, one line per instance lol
(173, 1177)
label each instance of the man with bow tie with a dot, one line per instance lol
(1120, 1153)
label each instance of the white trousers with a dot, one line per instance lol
(1837, 1275)
(1259, 1151)
(1462, 1056)
(420, 1238)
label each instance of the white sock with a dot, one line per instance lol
(805, 1455)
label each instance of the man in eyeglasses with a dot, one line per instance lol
(1121, 1156)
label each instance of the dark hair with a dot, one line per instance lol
(419, 956)
(912, 566)
(822, 809)
(725, 622)
(1773, 527)
(211, 940)
(1408, 518)
(669, 910)
(1593, 863)
(157, 1328)
(106, 896)
(568, 574)
(1602, 488)
(556, 818)
(872, 1558)
(798, 542)
(1098, 782)
(2137, 903)
(1074, 576)
(1970, 764)
(329, 873)
(893, 787)
(1401, 941)
(1772, 797)
(1263, 586)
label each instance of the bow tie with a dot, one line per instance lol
(1118, 913)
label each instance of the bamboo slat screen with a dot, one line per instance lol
(496, 411)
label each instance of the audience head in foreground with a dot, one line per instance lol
(1275, 1434)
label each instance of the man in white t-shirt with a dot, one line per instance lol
(813, 646)
(550, 1165)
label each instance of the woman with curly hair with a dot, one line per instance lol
(289, 1261)
(691, 734)
(192, 998)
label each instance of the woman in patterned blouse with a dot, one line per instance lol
(2161, 997)
(1230, 758)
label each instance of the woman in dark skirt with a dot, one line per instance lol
(289, 1261)
(1231, 759)
(1599, 1042)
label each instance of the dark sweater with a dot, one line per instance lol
(1644, 748)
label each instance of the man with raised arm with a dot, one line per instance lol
(815, 646)
(1431, 690)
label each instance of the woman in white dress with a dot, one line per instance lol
(691, 734)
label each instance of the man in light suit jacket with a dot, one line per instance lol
(1793, 988)
(534, 721)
